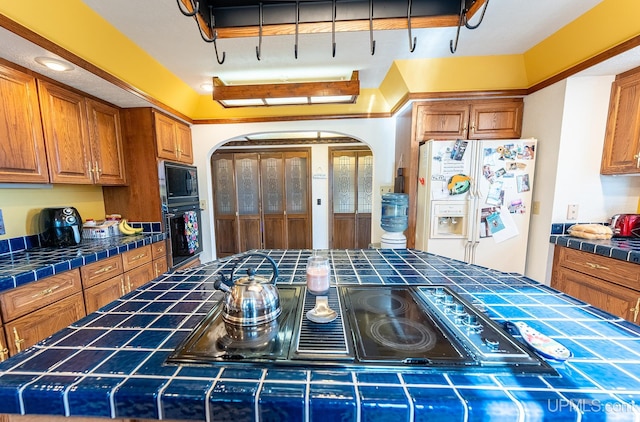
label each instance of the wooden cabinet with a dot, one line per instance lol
(173, 139)
(105, 135)
(103, 293)
(36, 310)
(22, 150)
(148, 137)
(607, 283)
(83, 138)
(484, 119)
(159, 255)
(449, 119)
(100, 271)
(38, 325)
(261, 200)
(4, 346)
(136, 257)
(138, 276)
(621, 151)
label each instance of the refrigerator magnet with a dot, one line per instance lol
(459, 147)
(495, 195)
(459, 184)
(522, 182)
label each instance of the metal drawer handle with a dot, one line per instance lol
(46, 292)
(122, 286)
(129, 284)
(4, 353)
(597, 266)
(635, 310)
(104, 269)
(18, 341)
(135, 258)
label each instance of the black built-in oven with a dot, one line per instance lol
(181, 211)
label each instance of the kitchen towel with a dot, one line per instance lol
(191, 230)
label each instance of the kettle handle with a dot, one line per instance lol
(241, 259)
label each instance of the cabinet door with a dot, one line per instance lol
(138, 276)
(248, 191)
(610, 297)
(183, 140)
(273, 206)
(66, 134)
(496, 119)
(4, 347)
(22, 151)
(106, 143)
(224, 204)
(30, 329)
(442, 120)
(160, 266)
(621, 151)
(297, 192)
(166, 142)
(101, 294)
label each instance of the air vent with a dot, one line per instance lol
(322, 340)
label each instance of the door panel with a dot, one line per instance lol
(298, 233)
(344, 231)
(226, 236)
(224, 205)
(272, 184)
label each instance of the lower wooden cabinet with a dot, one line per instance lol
(35, 326)
(138, 276)
(607, 283)
(4, 347)
(95, 297)
(160, 266)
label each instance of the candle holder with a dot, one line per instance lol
(318, 275)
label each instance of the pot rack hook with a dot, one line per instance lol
(333, 30)
(453, 47)
(412, 44)
(466, 22)
(194, 5)
(260, 23)
(372, 42)
(214, 35)
(295, 48)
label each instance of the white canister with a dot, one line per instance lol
(318, 275)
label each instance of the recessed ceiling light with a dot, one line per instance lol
(54, 64)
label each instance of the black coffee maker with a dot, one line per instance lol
(60, 227)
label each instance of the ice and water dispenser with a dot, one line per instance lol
(449, 219)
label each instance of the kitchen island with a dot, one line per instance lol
(110, 364)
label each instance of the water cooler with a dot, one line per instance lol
(394, 220)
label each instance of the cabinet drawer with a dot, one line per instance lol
(30, 329)
(614, 270)
(97, 272)
(159, 250)
(32, 296)
(136, 257)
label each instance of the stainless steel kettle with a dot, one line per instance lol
(251, 300)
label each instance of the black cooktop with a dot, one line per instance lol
(422, 326)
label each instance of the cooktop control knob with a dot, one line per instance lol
(472, 320)
(461, 318)
(448, 303)
(439, 294)
(472, 324)
(492, 344)
(459, 309)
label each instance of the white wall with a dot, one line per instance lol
(542, 119)
(569, 119)
(379, 134)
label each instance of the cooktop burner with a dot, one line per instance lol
(422, 326)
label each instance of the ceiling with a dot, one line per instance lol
(158, 27)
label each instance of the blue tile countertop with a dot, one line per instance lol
(625, 249)
(110, 363)
(27, 265)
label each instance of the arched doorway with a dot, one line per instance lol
(272, 191)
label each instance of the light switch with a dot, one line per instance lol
(319, 201)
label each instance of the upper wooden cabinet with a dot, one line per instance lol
(482, 119)
(83, 138)
(22, 150)
(173, 139)
(621, 151)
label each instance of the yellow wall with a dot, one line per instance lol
(21, 207)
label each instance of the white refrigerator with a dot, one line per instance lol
(474, 200)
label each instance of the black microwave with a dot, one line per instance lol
(180, 182)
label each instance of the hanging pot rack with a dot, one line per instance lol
(219, 19)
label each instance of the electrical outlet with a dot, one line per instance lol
(203, 204)
(386, 189)
(535, 207)
(572, 212)
(2, 230)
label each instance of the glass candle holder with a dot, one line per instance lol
(317, 275)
